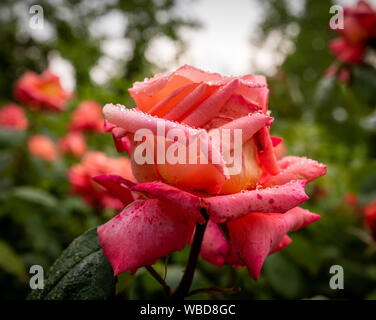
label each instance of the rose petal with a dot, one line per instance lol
(255, 236)
(266, 152)
(116, 186)
(286, 240)
(277, 199)
(214, 247)
(195, 97)
(210, 107)
(159, 190)
(169, 102)
(144, 232)
(148, 93)
(249, 125)
(276, 141)
(235, 107)
(293, 168)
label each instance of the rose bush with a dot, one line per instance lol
(248, 215)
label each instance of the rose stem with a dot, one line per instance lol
(183, 288)
(157, 277)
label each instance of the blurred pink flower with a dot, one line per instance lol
(370, 217)
(13, 117)
(42, 147)
(87, 117)
(41, 92)
(73, 143)
(359, 29)
(96, 163)
(255, 209)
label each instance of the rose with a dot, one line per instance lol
(249, 213)
(370, 217)
(359, 31)
(96, 163)
(42, 147)
(41, 92)
(73, 143)
(87, 117)
(13, 117)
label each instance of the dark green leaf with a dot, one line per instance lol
(82, 272)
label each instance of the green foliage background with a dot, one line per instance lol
(39, 217)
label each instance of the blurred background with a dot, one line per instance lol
(324, 106)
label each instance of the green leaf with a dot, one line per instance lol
(82, 272)
(34, 195)
(11, 262)
(283, 276)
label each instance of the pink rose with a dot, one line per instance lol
(87, 117)
(249, 213)
(42, 147)
(41, 92)
(13, 117)
(359, 30)
(97, 163)
(370, 217)
(73, 143)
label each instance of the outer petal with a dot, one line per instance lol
(255, 236)
(142, 233)
(269, 200)
(286, 240)
(214, 247)
(216, 250)
(116, 186)
(185, 201)
(293, 168)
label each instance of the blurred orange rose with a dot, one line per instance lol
(96, 163)
(88, 116)
(42, 147)
(41, 92)
(73, 143)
